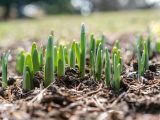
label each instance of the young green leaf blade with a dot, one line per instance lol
(41, 55)
(20, 60)
(82, 51)
(61, 62)
(5, 69)
(146, 56)
(66, 55)
(35, 60)
(72, 55)
(49, 66)
(107, 68)
(77, 50)
(92, 53)
(34, 46)
(55, 58)
(27, 80)
(98, 68)
(4, 72)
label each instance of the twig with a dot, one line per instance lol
(115, 102)
(39, 97)
(90, 93)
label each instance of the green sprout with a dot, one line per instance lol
(35, 60)
(41, 55)
(77, 50)
(35, 57)
(61, 62)
(143, 60)
(55, 58)
(20, 59)
(96, 57)
(116, 74)
(116, 68)
(92, 54)
(72, 59)
(34, 46)
(98, 63)
(4, 69)
(66, 55)
(113, 69)
(107, 68)
(28, 63)
(49, 66)
(82, 51)
(148, 41)
(27, 79)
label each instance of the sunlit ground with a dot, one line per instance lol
(67, 27)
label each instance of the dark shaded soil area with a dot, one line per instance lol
(73, 98)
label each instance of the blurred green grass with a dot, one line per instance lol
(67, 27)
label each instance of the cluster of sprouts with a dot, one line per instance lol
(54, 58)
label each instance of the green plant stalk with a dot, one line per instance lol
(61, 62)
(27, 81)
(72, 55)
(114, 72)
(66, 55)
(55, 58)
(82, 51)
(107, 68)
(92, 59)
(149, 45)
(4, 69)
(77, 50)
(49, 66)
(116, 76)
(20, 62)
(119, 59)
(142, 67)
(92, 53)
(118, 73)
(139, 60)
(114, 51)
(146, 52)
(34, 46)
(35, 60)
(98, 68)
(41, 55)
(29, 64)
(103, 41)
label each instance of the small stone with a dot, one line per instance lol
(132, 75)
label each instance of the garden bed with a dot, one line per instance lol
(74, 98)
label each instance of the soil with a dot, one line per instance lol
(72, 98)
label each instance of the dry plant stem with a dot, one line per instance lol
(39, 96)
(116, 100)
(91, 93)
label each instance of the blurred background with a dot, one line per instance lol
(33, 19)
